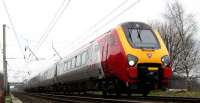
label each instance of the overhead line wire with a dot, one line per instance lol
(14, 30)
(52, 24)
(106, 16)
(102, 19)
(13, 27)
(60, 7)
(112, 19)
(115, 17)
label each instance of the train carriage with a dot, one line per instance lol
(2, 94)
(127, 59)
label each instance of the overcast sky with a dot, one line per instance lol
(74, 26)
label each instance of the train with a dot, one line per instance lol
(129, 58)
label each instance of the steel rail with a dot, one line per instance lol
(115, 99)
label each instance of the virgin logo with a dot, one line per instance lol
(149, 55)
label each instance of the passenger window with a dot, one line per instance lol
(63, 66)
(73, 62)
(47, 74)
(69, 64)
(78, 60)
(84, 58)
(96, 47)
(66, 66)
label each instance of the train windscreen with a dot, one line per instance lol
(143, 38)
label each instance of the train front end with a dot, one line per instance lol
(148, 62)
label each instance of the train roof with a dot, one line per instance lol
(136, 25)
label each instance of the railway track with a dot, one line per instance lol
(114, 99)
(83, 99)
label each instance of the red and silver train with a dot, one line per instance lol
(130, 58)
(2, 94)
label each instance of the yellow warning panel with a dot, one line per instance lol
(152, 68)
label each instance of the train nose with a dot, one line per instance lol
(132, 71)
(149, 74)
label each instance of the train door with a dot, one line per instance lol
(91, 69)
(96, 58)
(104, 56)
(89, 66)
(55, 78)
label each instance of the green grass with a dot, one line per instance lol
(8, 99)
(176, 93)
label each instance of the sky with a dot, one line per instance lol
(80, 22)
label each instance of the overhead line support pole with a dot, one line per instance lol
(5, 62)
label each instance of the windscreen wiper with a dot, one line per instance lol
(139, 34)
(129, 32)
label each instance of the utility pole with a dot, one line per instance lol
(4, 61)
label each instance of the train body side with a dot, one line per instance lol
(106, 60)
(2, 95)
(113, 57)
(80, 71)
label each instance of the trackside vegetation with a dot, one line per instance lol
(8, 99)
(181, 93)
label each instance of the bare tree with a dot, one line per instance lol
(178, 32)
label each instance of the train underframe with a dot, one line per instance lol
(145, 81)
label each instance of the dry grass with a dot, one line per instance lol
(176, 93)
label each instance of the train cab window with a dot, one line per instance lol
(73, 62)
(78, 60)
(143, 38)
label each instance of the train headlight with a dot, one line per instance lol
(132, 60)
(131, 63)
(165, 60)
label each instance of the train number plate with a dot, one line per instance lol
(152, 68)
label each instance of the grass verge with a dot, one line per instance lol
(195, 94)
(8, 99)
